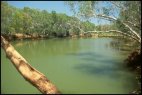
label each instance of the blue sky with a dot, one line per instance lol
(58, 6)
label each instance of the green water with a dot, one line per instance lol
(73, 65)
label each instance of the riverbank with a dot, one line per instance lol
(21, 36)
(133, 62)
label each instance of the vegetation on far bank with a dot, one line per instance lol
(39, 22)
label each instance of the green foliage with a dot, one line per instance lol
(31, 21)
(119, 26)
(132, 14)
(88, 26)
(6, 13)
(128, 19)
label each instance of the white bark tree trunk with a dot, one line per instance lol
(126, 25)
(29, 73)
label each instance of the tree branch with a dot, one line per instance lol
(126, 34)
(117, 5)
(126, 25)
(133, 24)
(29, 73)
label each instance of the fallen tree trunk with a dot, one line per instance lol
(29, 73)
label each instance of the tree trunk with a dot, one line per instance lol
(126, 25)
(126, 34)
(29, 73)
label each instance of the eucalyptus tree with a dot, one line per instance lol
(45, 22)
(128, 11)
(62, 27)
(35, 21)
(6, 17)
(87, 26)
(27, 19)
(132, 15)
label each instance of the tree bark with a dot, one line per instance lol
(126, 25)
(29, 73)
(125, 34)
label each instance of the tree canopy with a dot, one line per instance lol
(27, 20)
(126, 15)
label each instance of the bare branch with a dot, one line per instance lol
(133, 24)
(117, 5)
(126, 34)
(105, 16)
(126, 25)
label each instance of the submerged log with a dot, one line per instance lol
(29, 73)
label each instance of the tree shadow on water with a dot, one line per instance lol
(91, 69)
(98, 64)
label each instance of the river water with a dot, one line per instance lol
(74, 65)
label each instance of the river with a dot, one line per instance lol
(84, 65)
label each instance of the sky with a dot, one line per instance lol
(58, 6)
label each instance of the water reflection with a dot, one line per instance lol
(123, 44)
(49, 47)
